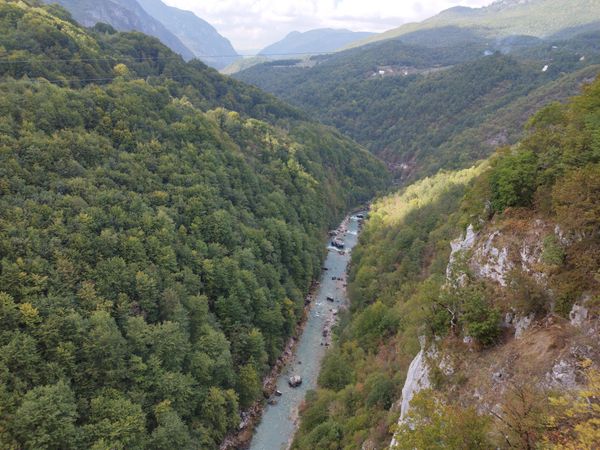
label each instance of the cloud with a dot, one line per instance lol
(253, 24)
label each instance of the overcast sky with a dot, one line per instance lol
(254, 24)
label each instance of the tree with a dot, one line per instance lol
(171, 432)
(575, 420)
(513, 180)
(432, 423)
(336, 371)
(576, 199)
(522, 417)
(481, 320)
(46, 418)
(103, 351)
(219, 411)
(248, 385)
(115, 422)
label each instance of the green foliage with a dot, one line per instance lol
(381, 391)
(46, 418)
(513, 181)
(392, 301)
(115, 422)
(576, 200)
(155, 247)
(481, 321)
(433, 424)
(552, 253)
(399, 271)
(438, 106)
(249, 385)
(170, 432)
(375, 323)
(335, 372)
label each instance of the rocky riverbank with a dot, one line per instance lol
(252, 417)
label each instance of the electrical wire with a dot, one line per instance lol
(150, 58)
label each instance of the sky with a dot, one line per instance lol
(254, 24)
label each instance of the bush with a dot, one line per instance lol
(513, 180)
(481, 321)
(553, 253)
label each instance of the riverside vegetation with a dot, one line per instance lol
(399, 290)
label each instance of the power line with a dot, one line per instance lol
(150, 58)
(42, 80)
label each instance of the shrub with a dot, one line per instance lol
(482, 322)
(513, 180)
(553, 253)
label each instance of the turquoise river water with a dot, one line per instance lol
(279, 421)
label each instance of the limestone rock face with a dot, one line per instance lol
(459, 246)
(417, 379)
(578, 315)
(490, 260)
(522, 324)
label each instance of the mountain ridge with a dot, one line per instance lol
(197, 34)
(313, 41)
(123, 15)
(504, 18)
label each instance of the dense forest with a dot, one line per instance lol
(424, 108)
(403, 288)
(160, 226)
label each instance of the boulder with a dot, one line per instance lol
(295, 381)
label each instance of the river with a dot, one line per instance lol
(279, 421)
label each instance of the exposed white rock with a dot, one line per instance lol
(492, 262)
(530, 257)
(417, 378)
(522, 324)
(563, 375)
(446, 366)
(578, 315)
(459, 246)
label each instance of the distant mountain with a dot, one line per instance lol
(124, 15)
(503, 18)
(243, 64)
(195, 33)
(314, 41)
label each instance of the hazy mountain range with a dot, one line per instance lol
(182, 31)
(506, 18)
(313, 41)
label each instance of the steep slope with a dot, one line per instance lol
(311, 42)
(502, 19)
(156, 248)
(196, 34)
(475, 294)
(123, 15)
(423, 108)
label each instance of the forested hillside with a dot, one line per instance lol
(506, 316)
(160, 226)
(123, 15)
(425, 108)
(502, 19)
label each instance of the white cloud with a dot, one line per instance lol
(257, 23)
